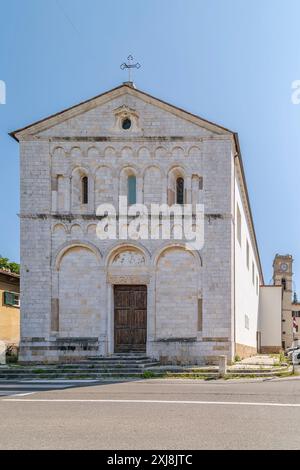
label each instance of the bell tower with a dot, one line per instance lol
(283, 275)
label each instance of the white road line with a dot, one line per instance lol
(21, 394)
(167, 402)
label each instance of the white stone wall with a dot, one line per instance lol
(270, 308)
(247, 280)
(79, 294)
(79, 282)
(176, 295)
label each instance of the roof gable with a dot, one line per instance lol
(75, 119)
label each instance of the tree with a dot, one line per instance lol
(9, 266)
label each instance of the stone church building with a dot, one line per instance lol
(82, 296)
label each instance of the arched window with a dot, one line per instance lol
(180, 191)
(283, 282)
(84, 190)
(131, 189)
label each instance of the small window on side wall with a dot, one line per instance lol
(247, 254)
(131, 189)
(84, 190)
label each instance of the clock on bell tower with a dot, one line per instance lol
(283, 274)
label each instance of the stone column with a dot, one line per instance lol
(91, 194)
(109, 330)
(150, 312)
(164, 195)
(222, 365)
(69, 194)
(139, 190)
(188, 188)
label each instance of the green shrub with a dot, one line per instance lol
(147, 374)
(12, 353)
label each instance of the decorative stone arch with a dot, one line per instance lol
(130, 167)
(78, 173)
(178, 152)
(143, 152)
(181, 245)
(63, 249)
(127, 152)
(194, 151)
(178, 167)
(57, 150)
(126, 246)
(91, 229)
(127, 171)
(174, 173)
(59, 232)
(77, 286)
(76, 152)
(73, 228)
(154, 165)
(93, 152)
(178, 281)
(105, 165)
(160, 152)
(154, 179)
(105, 185)
(59, 224)
(85, 169)
(110, 152)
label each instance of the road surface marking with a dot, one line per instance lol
(22, 394)
(167, 402)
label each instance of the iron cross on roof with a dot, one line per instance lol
(130, 65)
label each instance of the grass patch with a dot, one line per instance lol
(148, 374)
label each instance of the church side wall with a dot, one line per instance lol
(247, 283)
(217, 252)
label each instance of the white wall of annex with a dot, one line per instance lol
(246, 295)
(270, 305)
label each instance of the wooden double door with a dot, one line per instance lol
(130, 329)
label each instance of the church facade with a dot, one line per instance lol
(85, 296)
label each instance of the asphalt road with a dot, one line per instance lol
(152, 414)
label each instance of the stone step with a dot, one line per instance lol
(257, 372)
(80, 367)
(116, 364)
(70, 376)
(72, 371)
(151, 367)
(118, 358)
(119, 361)
(88, 376)
(64, 375)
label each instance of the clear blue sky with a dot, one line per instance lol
(230, 61)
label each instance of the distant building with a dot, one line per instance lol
(9, 307)
(283, 276)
